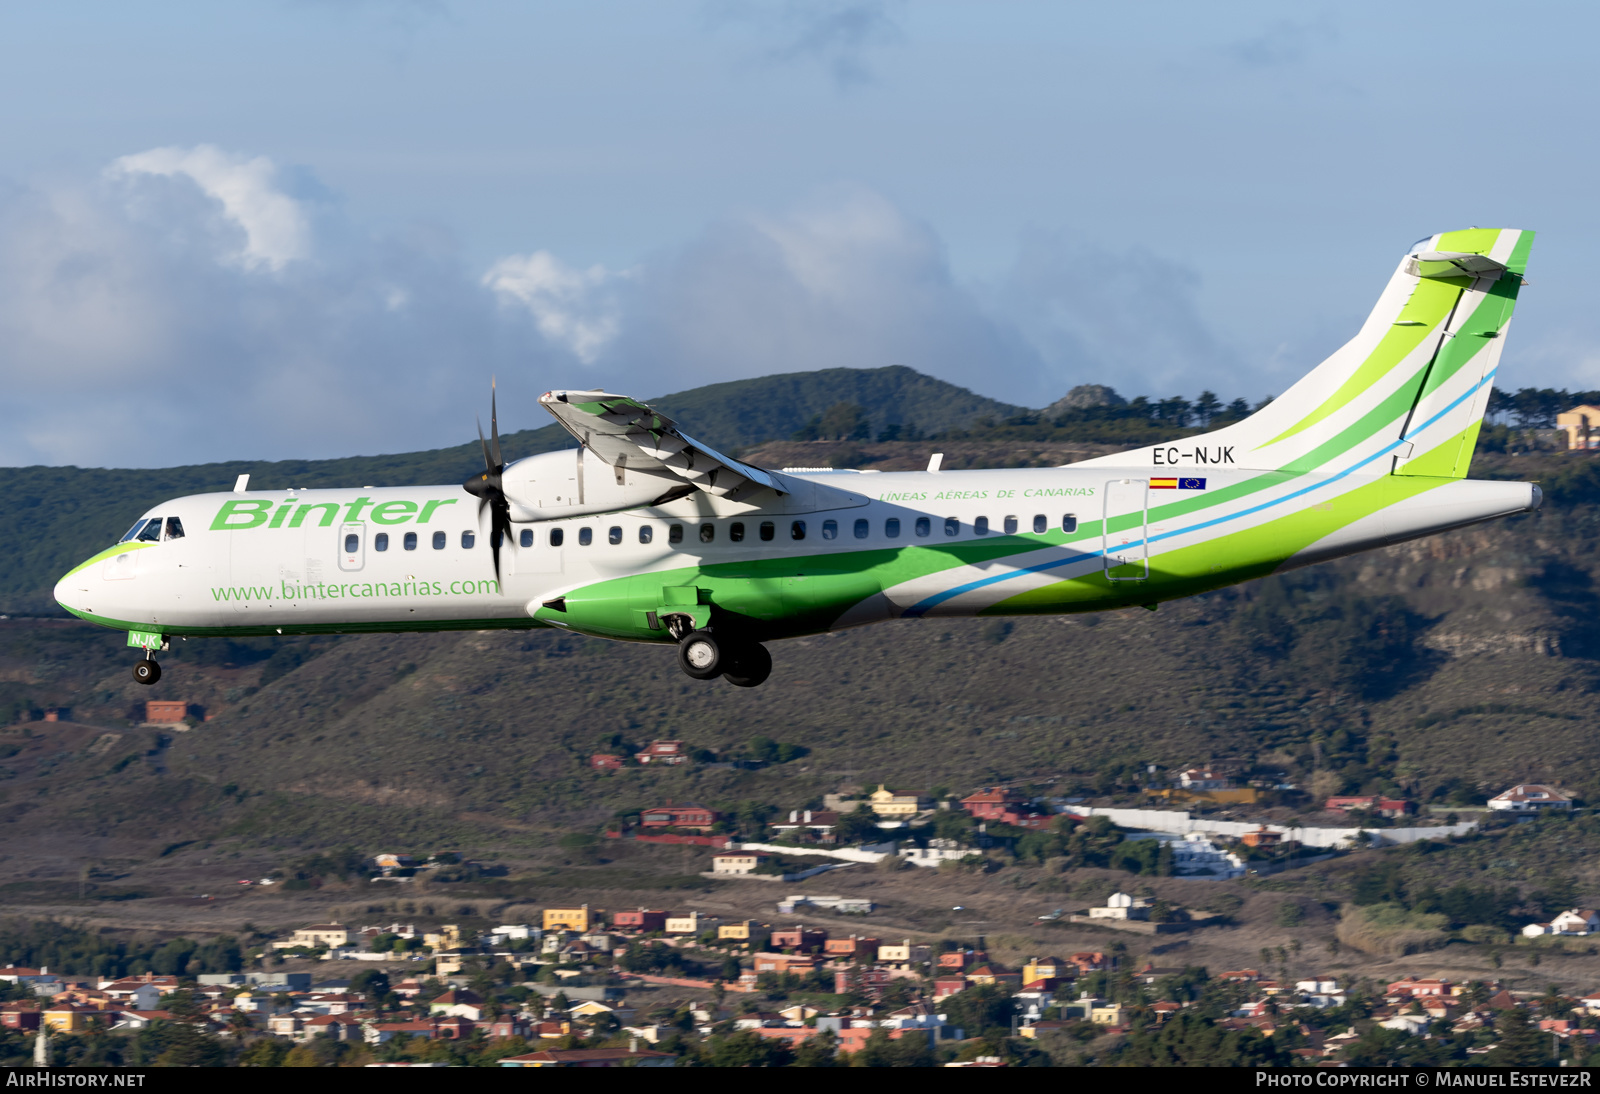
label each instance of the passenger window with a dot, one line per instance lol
(797, 529)
(952, 526)
(830, 530)
(380, 542)
(526, 538)
(439, 540)
(891, 528)
(1041, 523)
(980, 527)
(861, 529)
(585, 536)
(924, 527)
(768, 530)
(1011, 526)
(352, 543)
(675, 533)
(174, 528)
(152, 531)
(411, 541)
(736, 532)
(614, 535)
(708, 532)
(646, 533)
(557, 537)
(468, 541)
(1069, 523)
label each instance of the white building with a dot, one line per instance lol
(1530, 798)
(1201, 778)
(1122, 906)
(937, 851)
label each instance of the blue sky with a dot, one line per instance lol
(264, 230)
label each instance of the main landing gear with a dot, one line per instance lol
(146, 671)
(705, 656)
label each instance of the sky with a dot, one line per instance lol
(268, 229)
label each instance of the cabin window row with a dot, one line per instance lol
(380, 542)
(767, 530)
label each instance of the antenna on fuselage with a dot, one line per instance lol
(935, 461)
(241, 484)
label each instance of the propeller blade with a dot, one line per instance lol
(494, 426)
(487, 462)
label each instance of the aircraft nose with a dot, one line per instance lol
(72, 591)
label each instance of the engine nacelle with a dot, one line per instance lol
(577, 483)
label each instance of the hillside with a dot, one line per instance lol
(1444, 668)
(56, 516)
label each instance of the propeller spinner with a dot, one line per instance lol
(487, 486)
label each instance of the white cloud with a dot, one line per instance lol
(136, 328)
(276, 229)
(571, 307)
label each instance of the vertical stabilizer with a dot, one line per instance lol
(1407, 394)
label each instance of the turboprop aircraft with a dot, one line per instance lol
(644, 534)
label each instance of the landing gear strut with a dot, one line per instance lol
(146, 671)
(703, 656)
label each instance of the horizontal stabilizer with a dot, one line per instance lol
(1457, 264)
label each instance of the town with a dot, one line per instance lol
(815, 982)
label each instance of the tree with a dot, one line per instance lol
(979, 1008)
(879, 1051)
(372, 983)
(747, 1049)
(1522, 1044)
(818, 1051)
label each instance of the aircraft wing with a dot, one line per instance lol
(626, 433)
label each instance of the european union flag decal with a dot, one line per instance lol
(1191, 484)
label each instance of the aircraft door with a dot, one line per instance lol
(352, 546)
(1125, 530)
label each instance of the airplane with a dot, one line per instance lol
(644, 534)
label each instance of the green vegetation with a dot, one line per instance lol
(79, 951)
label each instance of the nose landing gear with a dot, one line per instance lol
(146, 671)
(704, 656)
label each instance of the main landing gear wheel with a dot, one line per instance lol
(146, 671)
(750, 668)
(701, 656)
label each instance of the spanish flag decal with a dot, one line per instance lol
(1177, 484)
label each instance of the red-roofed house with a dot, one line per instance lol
(640, 920)
(663, 752)
(993, 803)
(693, 817)
(1530, 798)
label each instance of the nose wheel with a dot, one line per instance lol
(146, 671)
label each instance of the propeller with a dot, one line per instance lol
(487, 488)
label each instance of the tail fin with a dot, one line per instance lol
(1407, 394)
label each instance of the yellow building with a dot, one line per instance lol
(69, 1017)
(1110, 1014)
(322, 934)
(569, 919)
(1045, 968)
(1582, 426)
(691, 924)
(886, 803)
(737, 932)
(903, 953)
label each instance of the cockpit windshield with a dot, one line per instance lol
(138, 524)
(152, 531)
(174, 528)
